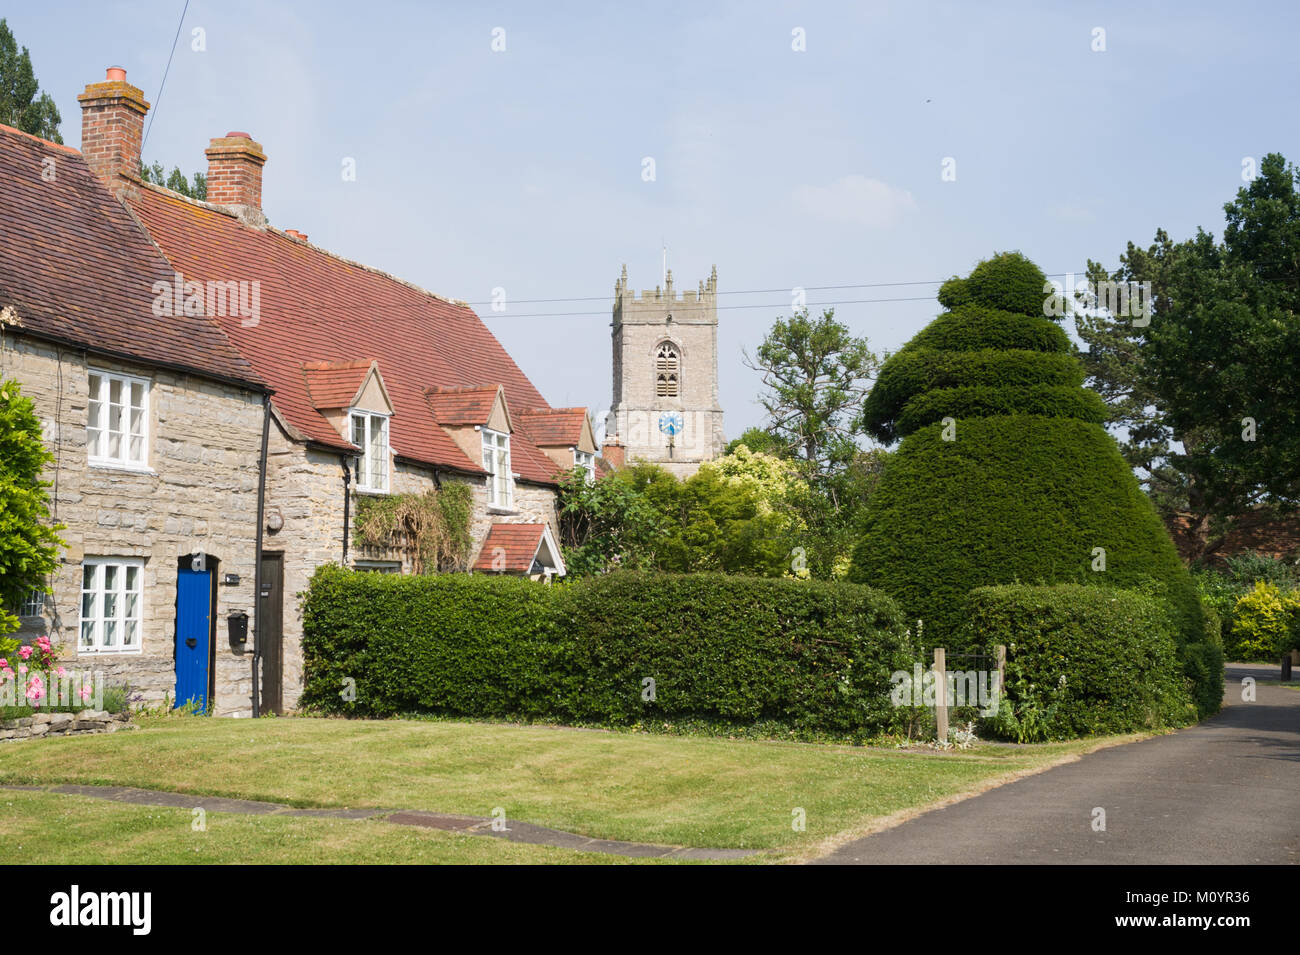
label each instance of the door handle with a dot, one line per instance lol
(191, 642)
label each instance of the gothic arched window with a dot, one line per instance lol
(667, 368)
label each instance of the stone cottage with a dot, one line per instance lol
(155, 428)
(377, 389)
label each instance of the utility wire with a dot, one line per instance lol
(758, 291)
(770, 305)
(158, 99)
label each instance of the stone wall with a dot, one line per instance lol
(200, 493)
(63, 724)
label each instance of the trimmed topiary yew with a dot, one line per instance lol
(1005, 473)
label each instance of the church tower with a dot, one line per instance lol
(665, 377)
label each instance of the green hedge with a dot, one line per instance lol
(916, 370)
(807, 656)
(1082, 660)
(1029, 489)
(986, 401)
(1006, 281)
(975, 327)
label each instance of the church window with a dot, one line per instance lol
(667, 368)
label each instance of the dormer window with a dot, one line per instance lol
(370, 434)
(667, 368)
(587, 461)
(496, 461)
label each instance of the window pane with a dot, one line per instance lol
(129, 633)
(375, 453)
(87, 633)
(110, 633)
(110, 591)
(88, 577)
(137, 395)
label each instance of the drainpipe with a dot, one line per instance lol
(257, 566)
(347, 503)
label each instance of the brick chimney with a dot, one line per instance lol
(235, 173)
(112, 125)
(613, 453)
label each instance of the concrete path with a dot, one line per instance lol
(469, 825)
(1224, 791)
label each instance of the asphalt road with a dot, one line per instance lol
(1226, 791)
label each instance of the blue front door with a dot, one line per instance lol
(193, 636)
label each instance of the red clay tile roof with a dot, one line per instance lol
(334, 384)
(510, 548)
(554, 427)
(77, 268)
(462, 406)
(316, 307)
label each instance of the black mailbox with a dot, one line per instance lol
(238, 623)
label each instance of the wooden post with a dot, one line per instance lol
(1001, 651)
(940, 693)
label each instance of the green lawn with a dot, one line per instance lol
(50, 829)
(673, 790)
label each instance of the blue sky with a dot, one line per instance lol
(522, 169)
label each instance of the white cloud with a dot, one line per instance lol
(856, 199)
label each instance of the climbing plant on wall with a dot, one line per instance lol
(430, 529)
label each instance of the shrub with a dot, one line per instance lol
(1264, 621)
(810, 655)
(1008, 281)
(28, 544)
(1029, 489)
(1082, 660)
(807, 656)
(454, 643)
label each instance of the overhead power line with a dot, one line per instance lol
(754, 291)
(158, 99)
(768, 305)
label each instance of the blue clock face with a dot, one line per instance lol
(670, 423)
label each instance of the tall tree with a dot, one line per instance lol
(197, 188)
(1115, 365)
(1218, 360)
(816, 374)
(22, 104)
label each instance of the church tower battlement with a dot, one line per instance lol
(665, 347)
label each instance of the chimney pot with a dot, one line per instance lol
(115, 74)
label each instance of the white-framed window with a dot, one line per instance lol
(496, 461)
(378, 566)
(370, 433)
(112, 599)
(33, 605)
(117, 420)
(587, 461)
